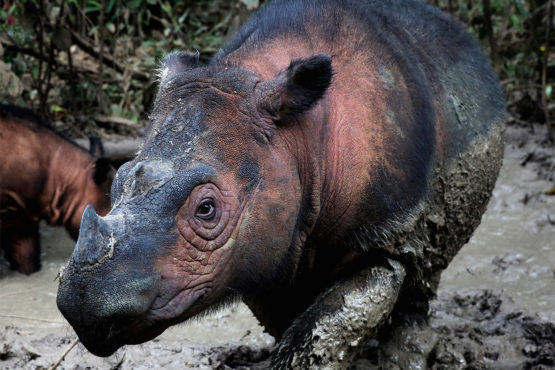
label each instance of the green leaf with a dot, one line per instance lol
(92, 30)
(135, 4)
(516, 22)
(111, 4)
(92, 6)
(166, 8)
(520, 7)
(181, 19)
(56, 108)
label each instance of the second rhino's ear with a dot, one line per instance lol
(102, 170)
(177, 62)
(102, 165)
(96, 149)
(296, 89)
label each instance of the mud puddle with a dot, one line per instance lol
(513, 249)
(507, 269)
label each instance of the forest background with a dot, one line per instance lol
(88, 65)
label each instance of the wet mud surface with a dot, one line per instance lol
(473, 330)
(495, 307)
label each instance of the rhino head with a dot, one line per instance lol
(211, 209)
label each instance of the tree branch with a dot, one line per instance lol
(489, 31)
(107, 60)
(8, 45)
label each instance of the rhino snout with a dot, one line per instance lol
(100, 294)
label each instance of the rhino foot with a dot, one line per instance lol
(332, 330)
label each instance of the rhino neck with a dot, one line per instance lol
(307, 143)
(66, 179)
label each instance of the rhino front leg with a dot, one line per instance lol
(330, 332)
(21, 244)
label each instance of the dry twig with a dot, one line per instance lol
(106, 59)
(73, 344)
(31, 318)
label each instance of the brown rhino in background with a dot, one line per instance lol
(324, 167)
(44, 176)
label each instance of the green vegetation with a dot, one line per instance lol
(518, 35)
(88, 64)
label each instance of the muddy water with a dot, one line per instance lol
(30, 300)
(512, 251)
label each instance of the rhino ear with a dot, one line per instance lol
(296, 89)
(102, 170)
(177, 62)
(96, 149)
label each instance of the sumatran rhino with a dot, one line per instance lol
(324, 167)
(44, 176)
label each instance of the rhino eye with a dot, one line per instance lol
(206, 209)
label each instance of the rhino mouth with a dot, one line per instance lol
(104, 337)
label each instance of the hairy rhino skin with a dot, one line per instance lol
(324, 167)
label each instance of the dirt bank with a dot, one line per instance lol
(495, 309)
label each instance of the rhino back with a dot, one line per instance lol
(421, 85)
(453, 93)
